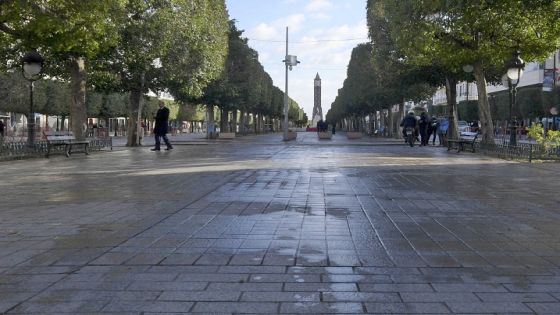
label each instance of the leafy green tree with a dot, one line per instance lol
(66, 33)
(480, 33)
(177, 46)
(375, 81)
(229, 91)
(399, 79)
(14, 93)
(244, 85)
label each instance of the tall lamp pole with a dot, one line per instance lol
(468, 69)
(290, 62)
(514, 72)
(32, 65)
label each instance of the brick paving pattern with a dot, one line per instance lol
(258, 226)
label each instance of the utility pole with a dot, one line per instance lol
(286, 61)
(290, 61)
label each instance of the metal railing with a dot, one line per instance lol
(521, 151)
(17, 150)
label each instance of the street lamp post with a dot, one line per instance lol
(32, 64)
(514, 72)
(290, 61)
(468, 69)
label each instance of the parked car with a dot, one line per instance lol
(463, 126)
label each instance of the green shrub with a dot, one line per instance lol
(552, 139)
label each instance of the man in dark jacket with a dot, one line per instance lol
(160, 128)
(432, 129)
(409, 121)
(423, 126)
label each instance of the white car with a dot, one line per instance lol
(463, 126)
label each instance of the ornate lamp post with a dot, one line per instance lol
(32, 64)
(514, 72)
(468, 69)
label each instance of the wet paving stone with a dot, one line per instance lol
(260, 226)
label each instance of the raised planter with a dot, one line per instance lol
(292, 135)
(354, 135)
(227, 135)
(325, 135)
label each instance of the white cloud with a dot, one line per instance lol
(276, 29)
(294, 22)
(336, 50)
(264, 31)
(318, 5)
(320, 16)
(320, 41)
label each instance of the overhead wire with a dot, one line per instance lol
(307, 41)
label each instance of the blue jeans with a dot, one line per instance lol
(158, 141)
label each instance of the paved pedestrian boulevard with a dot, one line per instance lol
(256, 225)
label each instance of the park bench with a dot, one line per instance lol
(226, 135)
(466, 140)
(64, 138)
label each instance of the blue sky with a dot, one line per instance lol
(322, 34)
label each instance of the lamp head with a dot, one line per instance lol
(515, 67)
(32, 63)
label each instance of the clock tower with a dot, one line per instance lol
(317, 110)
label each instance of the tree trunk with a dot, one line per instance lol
(401, 112)
(135, 114)
(131, 126)
(242, 123)
(386, 124)
(211, 130)
(390, 117)
(78, 110)
(451, 94)
(484, 113)
(234, 118)
(224, 117)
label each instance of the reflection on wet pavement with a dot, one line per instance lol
(259, 226)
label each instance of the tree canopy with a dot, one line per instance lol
(478, 33)
(124, 49)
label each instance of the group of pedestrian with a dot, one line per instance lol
(322, 126)
(426, 127)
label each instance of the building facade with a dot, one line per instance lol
(536, 74)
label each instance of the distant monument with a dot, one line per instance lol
(317, 110)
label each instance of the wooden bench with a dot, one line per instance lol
(226, 135)
(66, 139)
(466, 139)
(354, 135)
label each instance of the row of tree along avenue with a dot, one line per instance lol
(418, 46)
(103, 57)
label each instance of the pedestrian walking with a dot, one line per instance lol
(423, 126)
(432, 129)
(160, 128)
(1, 129)
(442, 130)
